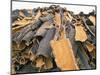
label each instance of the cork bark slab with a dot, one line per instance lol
(63, 53)
(80, 34)
(58, 18)
(93, 20)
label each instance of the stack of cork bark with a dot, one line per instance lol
(52, 39)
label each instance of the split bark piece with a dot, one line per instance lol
(47, 18)
(43, 29)
(19, 46)
(70, 33)
(80, 34)
(21, 13)
(28, 37)
(87, 27)
(38, 15)
(19, 24)
(57, 19)
(44, 13)
(90, 46)
(40, 63)
(92, 19)
(31, 55)
(26, 21)
(63, 53)
(48, 64)
(44, 63)
(15, 30)
(68, 16)
(44, 50)
(83, 56)
(25, 30)
(30, 52)
(44, 46)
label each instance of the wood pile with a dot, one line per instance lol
(52, 39)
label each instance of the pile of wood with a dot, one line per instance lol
(52, 39)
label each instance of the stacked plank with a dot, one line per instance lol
(52, 39)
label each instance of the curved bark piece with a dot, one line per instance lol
(70, 33)
(43, 63)
(28, 28)
(92, 19)
(43, 29)
(28, 37)
(63, 53)
(44, 46)
(19, 46)
(82, 55)
(80, 34)
(57, 19)
(87, 27)
(44, 51)
(47, 18)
